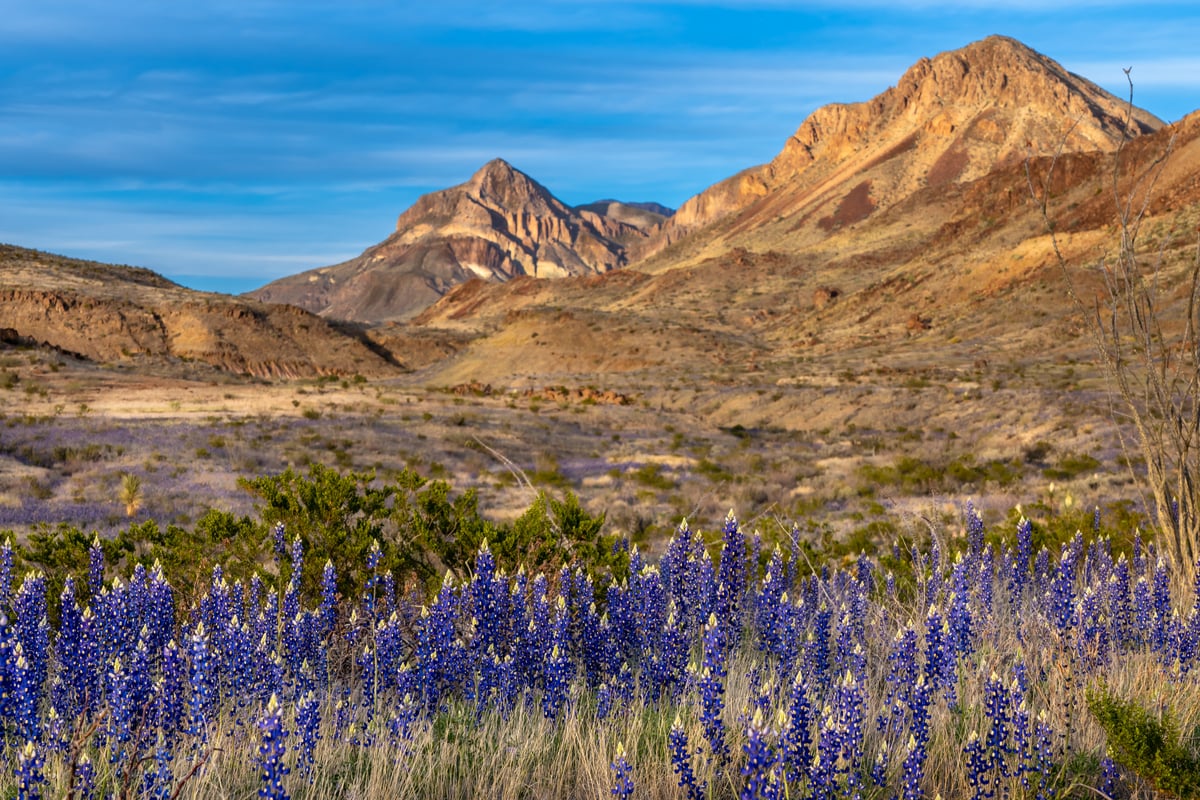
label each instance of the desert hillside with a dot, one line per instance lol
(112, 314)
(949, 119)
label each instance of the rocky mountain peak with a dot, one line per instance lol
(948, 119)
(1026, 100)
(501, 186)
(497, 225)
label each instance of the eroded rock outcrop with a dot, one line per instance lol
(112, 314)
(499, 224)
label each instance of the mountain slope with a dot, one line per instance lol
(112, 314)
(949, 119)
(954, 275)
(499, 224)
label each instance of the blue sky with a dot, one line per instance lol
(225, 143)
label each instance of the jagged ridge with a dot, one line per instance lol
(949, 119)
(499, 224)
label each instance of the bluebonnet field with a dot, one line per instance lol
(955, 667)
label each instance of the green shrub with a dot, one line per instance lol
(1146, 743)
(1071, 465)
(650, 475)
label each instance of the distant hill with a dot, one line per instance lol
(499, 224)
(109, 313)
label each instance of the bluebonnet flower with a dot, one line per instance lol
(731, 579)
(622, 775)
(902, 674)
(996, 708)
(489, 597)
(328, 611)
(1022, 742)
(343, 715)
(681, 761)
(880, 768)
(603, 701)
(940, 658)
(1062, 588)
(6, 574)
(959, 616)
(1041, 564)
(595, 646)
(400, 726)
(913, 769)
(1161, 599)
(297, 559)
(1110, 771)
(159, 615)
(648, 596)
(271, 752)
(169, 693)
(712, 688)
(975, 529)
(56, 733)
(767, 607)
(85, 778)
(120, 705)
(1092, 643)
(32, 632)
(978, 766)
(761, 760)
(987, 571)
(95, 566)
(849, 711)
(823, 770)
(371, 590)
(622, 621)
(664, 670)
(29, 772)
(1120, 607)
(279, 541)
(440, 656)
(203, 702)
(159, 783)
(816, 650)
(26, 696)
(795, 741)
(77, 664)
(1143, 611)
(554, 696)
(1044, 765)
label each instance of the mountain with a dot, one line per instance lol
(875, 260)
(499, 224)
(109, 314)
(948, 120)
(896, 235)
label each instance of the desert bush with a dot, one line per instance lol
(650, 475)
(1147, 742)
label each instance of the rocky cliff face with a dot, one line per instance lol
(949, 119)
(112, 314)
(499, 224)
